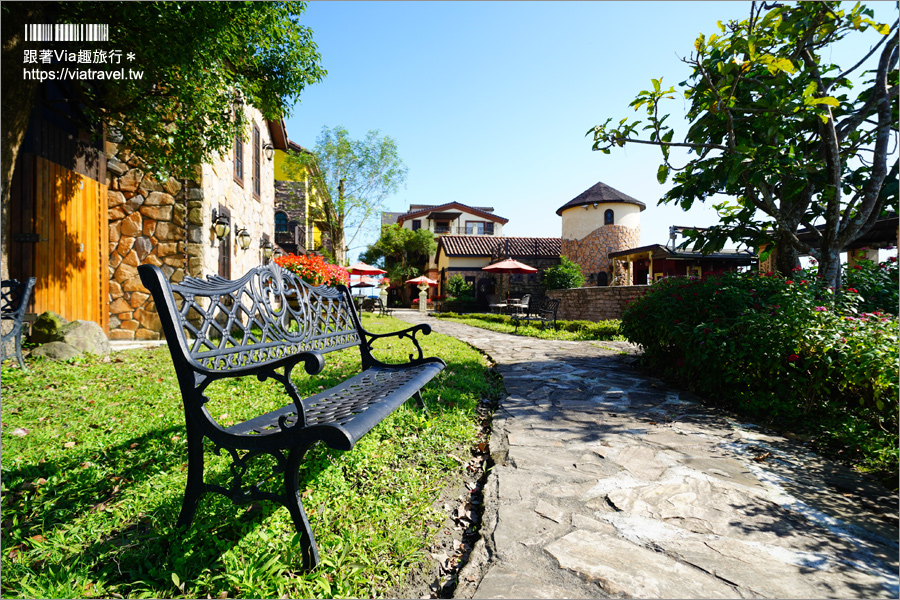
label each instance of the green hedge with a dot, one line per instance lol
(585, 330)
(788, 351)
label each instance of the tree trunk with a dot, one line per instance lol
(830, 267)
(17, 99)
(340, 256)
(787, 257)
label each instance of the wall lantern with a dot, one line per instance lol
(238, 100)
(221, 225)
(243, 238)
(278, 253)
(269, 150)
(267, 249)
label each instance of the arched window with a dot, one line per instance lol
(609, 217)
(281, 222)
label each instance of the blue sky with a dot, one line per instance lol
(489, 102)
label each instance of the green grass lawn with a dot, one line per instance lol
(566, 330)
(94, 465)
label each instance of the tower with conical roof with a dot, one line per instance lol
(595, 223)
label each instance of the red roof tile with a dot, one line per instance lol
(451, 205)
(485, 245)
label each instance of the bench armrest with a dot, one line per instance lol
(366, 347)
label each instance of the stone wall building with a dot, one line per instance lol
(172, 224)
(296, 228)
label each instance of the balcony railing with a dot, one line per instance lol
(446, 230)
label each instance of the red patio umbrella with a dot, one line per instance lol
(509, 266)
(362, 268)
(365, 282)
(422, 279)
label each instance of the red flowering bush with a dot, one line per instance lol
(876, 283)
(787, 351)
(314, 270)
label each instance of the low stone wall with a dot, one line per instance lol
(594, 303)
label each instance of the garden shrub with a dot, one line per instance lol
(876, 283)
(563, 276)
(458, 289)
(786, 350)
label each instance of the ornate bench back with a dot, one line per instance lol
(267, 315)
(547, 305)
(14, 295)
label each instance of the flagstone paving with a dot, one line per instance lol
(609, 483)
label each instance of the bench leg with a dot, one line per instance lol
(194, 487)
(19, 351)
(418, 397)
(295, 505)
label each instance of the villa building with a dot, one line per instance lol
(296, 229)
(84, 213)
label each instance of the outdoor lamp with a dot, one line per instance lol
(221, 225)
(243, 238)
(267, 249)
(269, 150)
(278, 253)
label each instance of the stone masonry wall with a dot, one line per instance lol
(255, 214)
(147, 225)
(592, 251)
(595, 303)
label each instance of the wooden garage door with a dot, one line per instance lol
(60, 235)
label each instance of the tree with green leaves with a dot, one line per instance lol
(197, 59)
(200, 61)
(352, 178)
(401, 252)
(791, 137)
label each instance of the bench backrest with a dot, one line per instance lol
(544, 305)
(262, 318)
(14, 296)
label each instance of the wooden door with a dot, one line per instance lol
(58, 221)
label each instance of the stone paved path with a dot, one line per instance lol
(608, 483)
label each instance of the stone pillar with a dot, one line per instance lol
(423, 297)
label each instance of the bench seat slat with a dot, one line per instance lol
(351, 408)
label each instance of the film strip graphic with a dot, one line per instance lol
(66, 32)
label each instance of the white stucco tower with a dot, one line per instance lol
(598, 221)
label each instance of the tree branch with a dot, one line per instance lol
(864, 58)
(675, 144)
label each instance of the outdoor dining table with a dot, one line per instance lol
(515, 308)
(508, 307)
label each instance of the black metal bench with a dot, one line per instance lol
(382, 309)
(15, 296)
(540, 310)
(263, 325)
